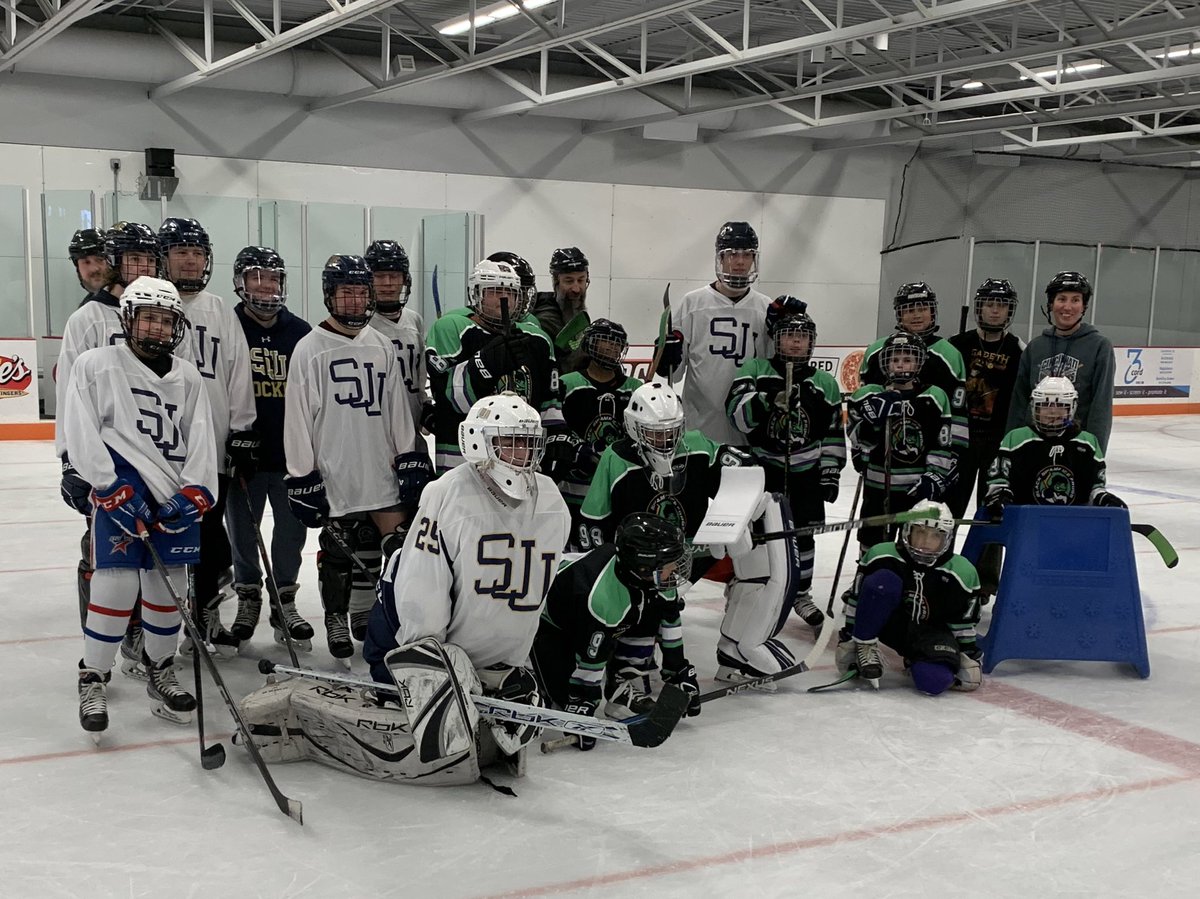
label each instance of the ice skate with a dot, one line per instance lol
(300, 631)
(93, 701)
(172, 702)
(808, 611)
(249, 609)
(337, 636)
(733, 671)
(131, 653)
(630, 697)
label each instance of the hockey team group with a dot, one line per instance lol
(539, 560)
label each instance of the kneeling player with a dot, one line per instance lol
(921, 599)
(457, 613)
(138, 429)
(598, 597)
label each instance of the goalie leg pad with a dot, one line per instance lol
(435, 681)
(766, 580)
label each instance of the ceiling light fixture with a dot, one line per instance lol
(489, 15)
(1077, 68)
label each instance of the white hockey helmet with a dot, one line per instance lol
(928, 539)
(1052, 405)
(146, 293)
(654, 421)
(503, 437)
(489, 275)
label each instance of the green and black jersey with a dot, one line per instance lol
(943, 368)
(1067, 470)
(919, 430)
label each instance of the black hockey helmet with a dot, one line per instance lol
(787, 314)
(1064, 282)
(903, 344)
(523, 269)
(605, 343)
(389, 256)
(181, 232)
(646, 545)
(736, 237)
(131, 237)
(995, 289)
(912, 295)
(265, 259)
(568, 259)
(348, 271)
(84, 243)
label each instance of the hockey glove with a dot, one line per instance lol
(878, 406)
(1108, 500)
(930, 486)
(124, 506)
(503, 355)
(995, 501)
(413, 472)
(577, 706)
(685, 680)
(241, 454)
(427, 418)
(831, 482)
(780, 401)
(559, 457)
(183, 510)
(306, 496)
(970, 672)
(672, 353)
(76, 492)
(859, 460)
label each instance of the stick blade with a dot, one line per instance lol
(294, 809)
(1162, 544)
(212, 757)
(654, 729)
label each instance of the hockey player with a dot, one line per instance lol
(900, 436)
(524, 271)
(399, 324)
(492, 348)
(798, 437)
(716, 329)
(921, 599)
(991, 356)
(1051, 461)
(137, 428)
(597, 597)
(562, 313)
(272, 332)
(355, 462)
(916, 314)
(1069, 348)
(216, 344)
(104, 264)
(594, 401)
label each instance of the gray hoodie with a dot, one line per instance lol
(1086, 357)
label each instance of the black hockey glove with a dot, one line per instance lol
(1109, 500)
(125, 506)
(76, 492)
(413, 472)
(831, 482)
(672, 353)
(685, 680)
(995, 502)
(859, 460)
(306, 497)
(183, 510)
(577, 706)
(878, 406)
(559, 457)
(504, 355)
(241, 454)
(930, 486)
(427, 418)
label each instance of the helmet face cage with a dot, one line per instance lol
(492, 275)
(654, 422)
(390, 256)
(177, 232)
(605, 343)
(147, 297)
(527, 278)
(917, 295)
(654, 550)
(927, 540)
(798, 324)
(132, 237)
(348, 271)
(1052, 405)
(898, 347)
(249, 271)
(991, 291)
(736, 238)
(503, 437)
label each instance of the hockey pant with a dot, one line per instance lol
(114, 596)
(344, 587)
(759, 598)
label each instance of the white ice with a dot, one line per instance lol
(1055, 779)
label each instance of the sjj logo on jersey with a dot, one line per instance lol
(15, 377)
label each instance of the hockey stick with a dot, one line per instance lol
(664, 327)
(887, 464)
(837, 574)
(650, 730)
(1165, 550)
(437, 297)
(869, 522)
(290, 807)
(787, 422)
(844, 678)
(335, 535)
(272, 587)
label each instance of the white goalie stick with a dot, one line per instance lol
(648, 731)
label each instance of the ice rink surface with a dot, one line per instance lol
(1055, 779)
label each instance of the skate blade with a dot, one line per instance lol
(95, 737)
(220, 652)
(168, 714)
(733, 676)
(301, 645)
(136, 670)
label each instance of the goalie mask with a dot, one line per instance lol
(788, 325)
(916, 308)
(349, 290)
(1052, 406)
(737, 255)
(132, 251)
(393, 280)
(152, 317)
(524, 271)
(995, 305)
(654, 422)
(652, 550)
(260, 279)
(494, 294)
(902, 358)
(503, 437)
(189, 272)
(605, 343)
(927, 540)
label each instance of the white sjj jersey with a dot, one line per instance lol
(216, 343)
(160, 426)
(93, 324)
(407, 336)
(346, 414)
(474, 571)
(718, 336)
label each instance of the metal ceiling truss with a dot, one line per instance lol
(56, 15)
